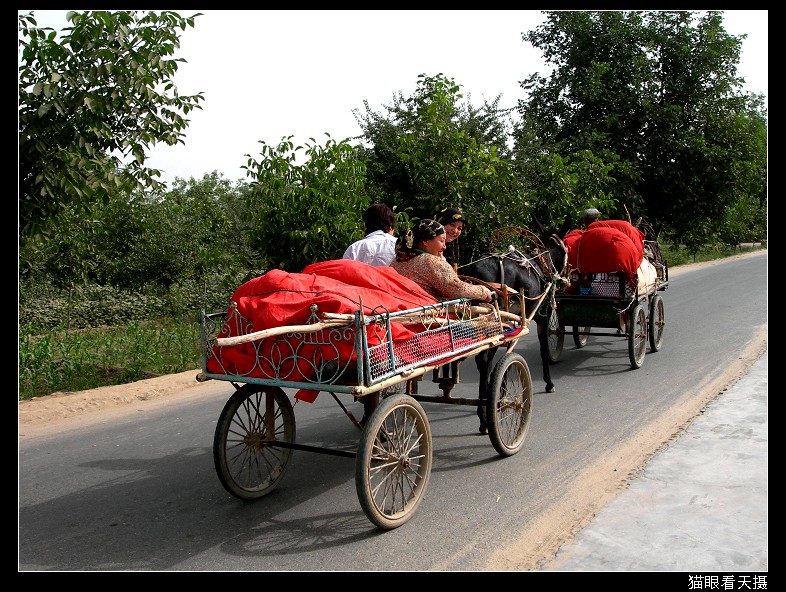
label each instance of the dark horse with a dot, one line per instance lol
(528, 273)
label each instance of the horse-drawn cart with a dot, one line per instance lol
(625, 305)
(357, 355)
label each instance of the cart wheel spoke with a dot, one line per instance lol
(657, 321)
(555, 336)
(637, 335)
(248, 462)
(509, 405)
(581, 336)
(393, 464)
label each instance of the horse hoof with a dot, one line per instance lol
(483, 429)
(550, 389)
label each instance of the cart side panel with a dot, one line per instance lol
(588, 311)
(325, 356)
(362, 353)
(431, 345)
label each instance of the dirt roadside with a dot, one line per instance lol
(61, 406)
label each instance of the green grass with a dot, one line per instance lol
(676, 257)
(79, 359)
(83, 359)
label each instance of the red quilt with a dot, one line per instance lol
(605, 246)
(279, 298)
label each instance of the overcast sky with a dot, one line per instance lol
(267, 74)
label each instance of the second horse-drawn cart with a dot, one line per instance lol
(622, 304)
(357, 355)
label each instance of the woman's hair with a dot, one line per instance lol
(421, 231)
(378, 217)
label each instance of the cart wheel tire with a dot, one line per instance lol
(637, 336)
(393, 464)
(657, 322)
(555, 336)
(581, 336)
(509, 404)
(248, 461)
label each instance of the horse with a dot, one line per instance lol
(529, 274)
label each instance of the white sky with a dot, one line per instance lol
(267, 74)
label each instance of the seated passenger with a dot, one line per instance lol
(419, 258)
(378, 247)
(453, 221)
(590, 215)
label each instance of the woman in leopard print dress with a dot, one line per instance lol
(419, 258)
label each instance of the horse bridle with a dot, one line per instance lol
(547, 264)
(545, 268)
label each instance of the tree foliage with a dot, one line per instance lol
(642, 116)
(655, 95)
(149, 241)
(91, 105)
(430, 151)
(303, 213)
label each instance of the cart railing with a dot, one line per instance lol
(314, 355)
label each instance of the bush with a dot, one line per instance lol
(43, 308)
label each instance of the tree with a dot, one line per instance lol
(655, 95)
(180, 236)
(429, 151)
(303, 213)
(91, 105)
(149, 241)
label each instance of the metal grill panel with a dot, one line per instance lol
(388, 359)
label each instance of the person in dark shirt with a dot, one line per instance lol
(454, 222)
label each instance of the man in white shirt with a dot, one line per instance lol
(378, 247)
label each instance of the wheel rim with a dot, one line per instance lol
(555, 336)
(657, 323)
(509, 405)
(398, 467)
(579, 336)
(514, 406)
(638, 335)
(250, 457)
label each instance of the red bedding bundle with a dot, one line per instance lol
(605, 246)
(279, 298)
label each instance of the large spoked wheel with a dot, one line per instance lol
(245, 453)
(657, 322)
(509, 404)
(637, 335)
(581, 336)
(555, 335)
(393, 464)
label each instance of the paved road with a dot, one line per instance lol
(120, 497)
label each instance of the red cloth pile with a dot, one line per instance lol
(279, 298)
(605, 246)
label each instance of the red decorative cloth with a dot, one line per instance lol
(635, 234)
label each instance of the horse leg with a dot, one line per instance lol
(543, 341)
(483, 363)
